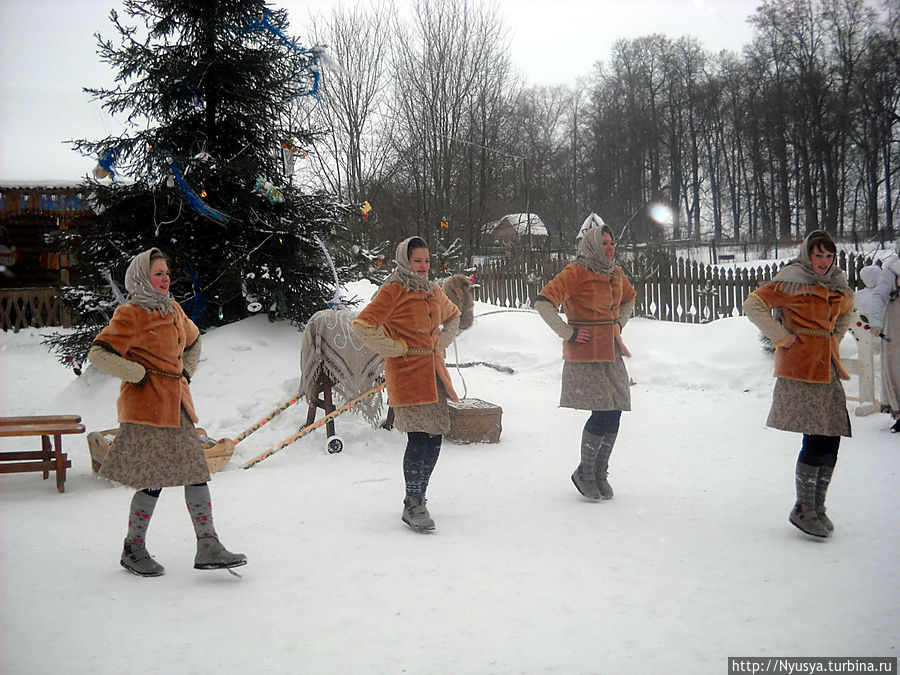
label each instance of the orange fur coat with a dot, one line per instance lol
(157, 343)
(414, 319)
(590, 301)
(818, 316)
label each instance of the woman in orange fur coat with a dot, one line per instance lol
(411, 322)
(597, 299)
(154, 348)
(812, 303)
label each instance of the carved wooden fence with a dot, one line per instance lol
(667, 289)
(32, 308)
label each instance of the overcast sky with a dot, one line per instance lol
(47, 54)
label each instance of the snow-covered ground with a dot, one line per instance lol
(691, 562)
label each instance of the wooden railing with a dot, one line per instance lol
(32, 308)
(670, 290)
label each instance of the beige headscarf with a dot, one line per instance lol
(404, 274)
(590, 251)
(140, 290)
(799, 273)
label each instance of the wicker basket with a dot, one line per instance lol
(474, 421)
(217, 452)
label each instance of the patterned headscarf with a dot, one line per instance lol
(140, 290)
(799, 273)
(590, 251)
(404, 274)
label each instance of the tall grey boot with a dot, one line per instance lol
(608, 440)
(135, 557)
(211, 555)
(584, 477)
(803, 515)
(822, 482)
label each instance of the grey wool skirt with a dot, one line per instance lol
(809, 407)
(430, 418)
(596, 385)
(148, 457)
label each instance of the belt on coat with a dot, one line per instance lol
(163, 373)
(419, 351)
(593, 322)
(812, 332)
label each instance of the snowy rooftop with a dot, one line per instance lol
(520, 222)
(38, 184)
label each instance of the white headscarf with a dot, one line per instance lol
(590, 251)
(140, 291)
(404, 274)
(799, 273)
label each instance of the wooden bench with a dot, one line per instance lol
(50, 457)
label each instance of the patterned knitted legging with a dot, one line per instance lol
(421, 456)
(199, 506)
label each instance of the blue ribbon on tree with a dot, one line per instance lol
(104, 168)
(311, 54)
(196, 203)
(198, 302)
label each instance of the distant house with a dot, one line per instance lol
(518, 230)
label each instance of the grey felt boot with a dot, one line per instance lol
(137, 560)
(803, 515)
(584, 476)
(608, 440)
(211, 555)
(416, 515)
(822, 482)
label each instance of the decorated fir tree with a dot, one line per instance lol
(210, 91)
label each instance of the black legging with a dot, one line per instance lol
(421, 456)
(819, 450)
(603, 422)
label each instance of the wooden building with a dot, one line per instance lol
(32, 266)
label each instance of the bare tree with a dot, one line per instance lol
(486, 181)
(629, 133)
(430, 125)
(874, 90)
(355, 155)
(542, 138)
(782, 47)
(440, 66)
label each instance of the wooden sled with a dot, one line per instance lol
(218, 453)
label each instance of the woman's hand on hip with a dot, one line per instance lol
(583, 336)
